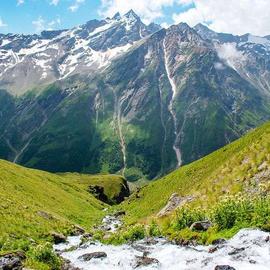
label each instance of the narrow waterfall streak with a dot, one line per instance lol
(120, 132)
(19, 154)
(180, 133)
(163, 126)
(22, 150)
(170, 107)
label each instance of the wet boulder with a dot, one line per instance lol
(201, 225)
(224, 267)
(12, 261)
(236, 251)
(219, 241)
(77, 230)
(145, 261)
(93, 255)
(58, 238)
(67, 266)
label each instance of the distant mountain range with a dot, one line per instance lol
(117, 95)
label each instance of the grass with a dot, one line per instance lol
(238, 167)
(35, 203)
(227, 217)
(112, 184)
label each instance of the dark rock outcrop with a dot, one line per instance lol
(67, 266)
(201, 226)
(93, 255)
(219, 241)
(58, 238)
(224, 267)
(98, 193)
(78, 230)
(145, 261)
(12, 261)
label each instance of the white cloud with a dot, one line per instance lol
(2, 24)
(20, 2)
(219, 66)
(74, 7)
(238, 17)
(54, 2)
(149, 10)
(229, 53)
(40, 24)
(232, 16)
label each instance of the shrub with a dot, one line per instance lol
(44, 253)
(154, 230)
(186, 216)
(136, 232)
(242, 211)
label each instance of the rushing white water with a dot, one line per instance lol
(112, 223)
(248, 250)
(122, 139)
(118, 122)
(170, 107)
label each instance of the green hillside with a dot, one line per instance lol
(35, 203)
(243, 166)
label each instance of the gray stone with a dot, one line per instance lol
(93, 255)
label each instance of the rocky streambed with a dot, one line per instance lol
(247, 250)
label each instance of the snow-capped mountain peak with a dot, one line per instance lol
(53, 55)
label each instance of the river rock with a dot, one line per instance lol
(67, 266)
(12, 261)
(93, 255)
(201, 225)
(236, 251)
(58, 238)
(224, 267)
(78, 230)
(219, 241)
(145, 261)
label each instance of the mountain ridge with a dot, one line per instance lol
(170, 98)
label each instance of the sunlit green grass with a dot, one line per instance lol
(35, 203)
(228, 171)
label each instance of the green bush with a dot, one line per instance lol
(242, 211)
(136, 232)
(154, 230)
(44, 253)
(186, 216)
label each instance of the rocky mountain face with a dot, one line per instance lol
(128, 98)
(27, 61)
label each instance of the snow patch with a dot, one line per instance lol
(259, 40)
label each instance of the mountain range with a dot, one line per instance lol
(120, 96)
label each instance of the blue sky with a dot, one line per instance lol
(32, 16)
(231, 16)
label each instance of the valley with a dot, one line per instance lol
(128, 145)
(177, 80)
(70, 204)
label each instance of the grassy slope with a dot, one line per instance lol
(24, 192)
(112, 184)
(227, 171)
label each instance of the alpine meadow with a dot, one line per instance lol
(139, 139)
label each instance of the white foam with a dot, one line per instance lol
(256, 254)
